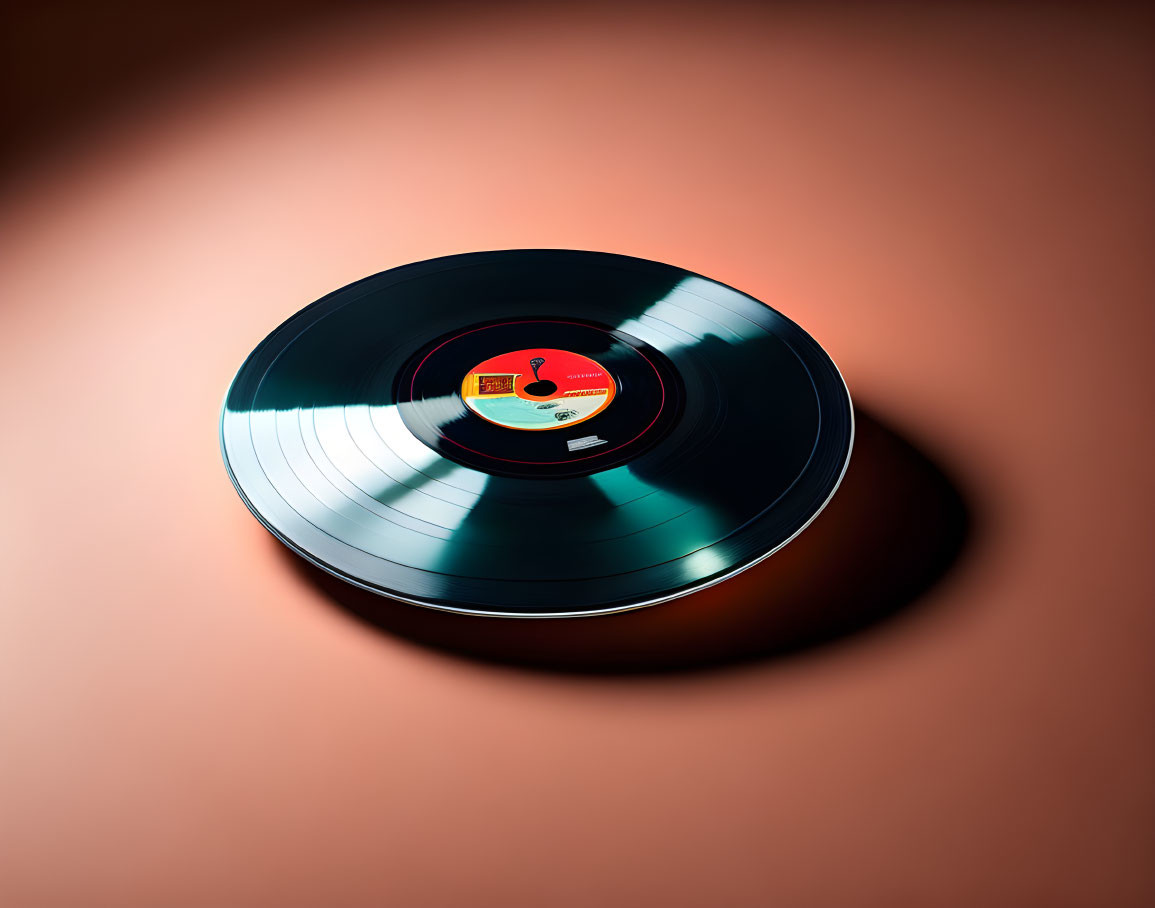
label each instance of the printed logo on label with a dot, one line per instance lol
(539, 389)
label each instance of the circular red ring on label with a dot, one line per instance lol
(481, 443)
(537, 389)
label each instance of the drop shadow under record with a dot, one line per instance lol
(893, 530)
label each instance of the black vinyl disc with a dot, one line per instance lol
(536, 433)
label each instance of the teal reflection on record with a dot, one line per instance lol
(346, 432)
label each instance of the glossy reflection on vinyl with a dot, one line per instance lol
(536, 433)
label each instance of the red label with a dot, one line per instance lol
(538, 389)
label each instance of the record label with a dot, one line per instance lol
(531, 375)
(538, 389)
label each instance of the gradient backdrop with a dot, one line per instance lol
(941, 695)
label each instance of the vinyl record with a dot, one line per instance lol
(536, 433)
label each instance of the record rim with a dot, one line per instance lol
(457, 609)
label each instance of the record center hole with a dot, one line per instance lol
(540, 388)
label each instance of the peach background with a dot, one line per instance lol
(958, 202)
